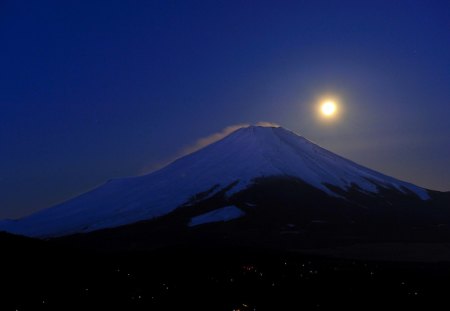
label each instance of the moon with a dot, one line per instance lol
(328, 108)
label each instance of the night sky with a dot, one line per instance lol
(93, 90)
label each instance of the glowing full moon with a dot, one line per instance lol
(328, 108)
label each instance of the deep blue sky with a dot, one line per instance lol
(92, 90)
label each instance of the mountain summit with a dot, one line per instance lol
(228, 166)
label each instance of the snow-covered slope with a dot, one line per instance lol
(241, 156)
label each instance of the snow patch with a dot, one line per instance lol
(226, 213)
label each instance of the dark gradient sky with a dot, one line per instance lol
(92, 90)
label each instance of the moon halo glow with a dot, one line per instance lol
(328, 108)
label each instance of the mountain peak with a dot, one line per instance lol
(255, 129)
(258, 128)
(262, 128)
(265, 134)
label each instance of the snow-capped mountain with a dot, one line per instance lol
(228, 166)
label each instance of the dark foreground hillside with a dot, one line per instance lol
(36, 276)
